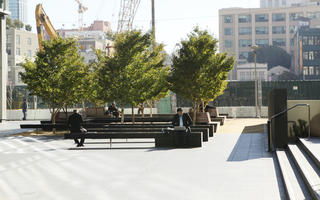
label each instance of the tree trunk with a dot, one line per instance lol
(150, 104)
(202, 102)
(195, 113)
(122, 115)
(83, 109)
(53, 119)
(142, 109)
(132, 114)
(66, 112)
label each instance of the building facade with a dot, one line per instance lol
(21, 44)
(306, 57)
(19, 10)
(4, 11)
(240, 28)
(246, 71)
(284, 3)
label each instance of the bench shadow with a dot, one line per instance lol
(108, 148)
(118, 142)
(250, 145)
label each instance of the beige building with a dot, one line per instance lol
(21, 44)
(245, 72)
(240, 28)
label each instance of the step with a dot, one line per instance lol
(312, 148)
(307, 170)
(294, 185)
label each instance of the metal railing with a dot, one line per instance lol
(270, 139)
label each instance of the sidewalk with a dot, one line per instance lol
(13, 127)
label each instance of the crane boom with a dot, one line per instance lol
(42, 20)
(128, 9)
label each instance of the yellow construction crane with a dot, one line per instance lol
(81, 10)
(43, 21)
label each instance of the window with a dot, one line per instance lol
(228, 44)
(304, 40)
(262, 30)
(262, 17)
(310, 39)
(227, 31)
(292, 29)
(29, 54)
(29, 41)
(313, 15)
(18, 39)
(262, 42)
(9, 51)
(311, 70)
(244, 18)
(305, 55)
(244, 30)
(18, 51)
(305, 70)
(261, 75)
(278, 17)
(311, 55)
(243, 55)
(227, 19)
(317, 55)
(317, 70)
(277, 4)
(242, 76)
(295, 16)
(317, 40)
(279, 42)
(284, 2)
(245, 43)
(278, 30)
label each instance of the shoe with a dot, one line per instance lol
(81, 145)
(78, 145)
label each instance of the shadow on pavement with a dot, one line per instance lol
(260, 128)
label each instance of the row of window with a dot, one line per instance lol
(311, 55)
(311, 70)
(250, 75)
(260, 30)
(276, 17)
(29, 41)
(18, 52)
(260, 42)
(310, 40)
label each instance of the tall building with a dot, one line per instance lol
(19, 10)
(21, 44)
(3, 60)
(284, 3)
(240, 28)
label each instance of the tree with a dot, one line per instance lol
(57, 74)
(128, 76)
(199, 72)
(272, 55)
(28, 27)
(287, 76)
(18, 24)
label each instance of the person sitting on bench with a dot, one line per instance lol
(113, 110)
(181, 119)
(75, 126)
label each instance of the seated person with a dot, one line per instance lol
(113, 111)
(181, 119)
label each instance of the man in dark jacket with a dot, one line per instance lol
(181, 119)
(75, 126)
(24, 109)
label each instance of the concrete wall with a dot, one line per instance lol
(3, 68)
(44, 114)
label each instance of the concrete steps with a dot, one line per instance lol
(300, 169)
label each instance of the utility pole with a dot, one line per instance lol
(255, 48)
(153, 22)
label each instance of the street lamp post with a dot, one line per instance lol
(255, 48)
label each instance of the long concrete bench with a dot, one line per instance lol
(161, 140)
(204, 131)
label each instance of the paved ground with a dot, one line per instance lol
(229, 166)
(13, 127)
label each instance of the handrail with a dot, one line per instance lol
(283, 112)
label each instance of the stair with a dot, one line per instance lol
(300, 170)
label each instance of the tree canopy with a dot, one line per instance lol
(57, 75)
(271, 55)
(199, 72)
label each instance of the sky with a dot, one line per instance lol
(174, 18)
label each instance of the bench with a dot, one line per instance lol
(95, 112)
(161, 140)
(204, 131)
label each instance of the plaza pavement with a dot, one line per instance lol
(230, 166)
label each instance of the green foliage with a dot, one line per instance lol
(135, 72)
(57, 75)
(272, 55)
(15, 24)
(199, 72)
(28, 27)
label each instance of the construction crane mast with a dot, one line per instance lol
(81, 10)
(128, 9)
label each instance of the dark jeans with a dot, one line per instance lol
(24, 114)
(77, 140)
